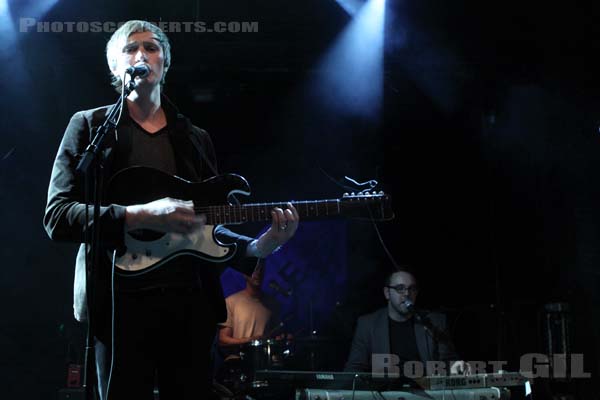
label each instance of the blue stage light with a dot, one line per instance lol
(350, 77)
(7, 31)
(350, 6)
(36, 9)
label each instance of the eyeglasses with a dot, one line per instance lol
(402, 289)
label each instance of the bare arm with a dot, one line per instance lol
(283, 226)
(226, 337)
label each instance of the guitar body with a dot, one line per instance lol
(147, 250)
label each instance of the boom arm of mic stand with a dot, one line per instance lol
(109, 124)
(439, 335)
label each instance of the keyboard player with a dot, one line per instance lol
(395, 335)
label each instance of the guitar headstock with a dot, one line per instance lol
(374, 205)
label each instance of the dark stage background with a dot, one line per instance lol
(487, 139)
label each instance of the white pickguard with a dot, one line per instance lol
(146, 255)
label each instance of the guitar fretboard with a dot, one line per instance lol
(259, 212)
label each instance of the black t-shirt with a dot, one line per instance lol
(152, 149)
(403, 341)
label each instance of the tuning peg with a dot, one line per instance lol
(352, 194)
(346, 194)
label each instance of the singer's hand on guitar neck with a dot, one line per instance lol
(283, 227)
(164, 215)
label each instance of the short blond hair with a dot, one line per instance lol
(117, 41)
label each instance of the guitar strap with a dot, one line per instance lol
(196, 142)
(200, 150)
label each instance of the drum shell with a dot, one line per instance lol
(266, 354)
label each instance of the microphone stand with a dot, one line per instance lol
(438, 335)
(90, 167)
(312, 335)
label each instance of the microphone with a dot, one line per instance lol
(276, 287)
(409, 306)
(141, 70)
(411, 309)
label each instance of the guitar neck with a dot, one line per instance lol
(261, 212)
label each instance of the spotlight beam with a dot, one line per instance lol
(350, 77)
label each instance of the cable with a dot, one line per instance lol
(114, 255)
(372, 183)
(112, 325)
(354, 385)
(122, 100)
(348, 188)
(385, 248)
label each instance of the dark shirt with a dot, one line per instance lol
(152, 149)
(403, 341)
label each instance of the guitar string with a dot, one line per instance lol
(273, 204)
(259, 211)
(234, 208)
(262, 211)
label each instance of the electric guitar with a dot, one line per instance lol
(147, 249)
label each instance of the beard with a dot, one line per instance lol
(400, 307)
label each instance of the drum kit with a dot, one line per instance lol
(237, 376)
